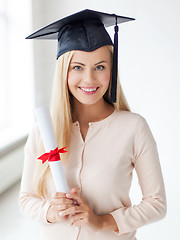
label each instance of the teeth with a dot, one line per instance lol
(89, 89)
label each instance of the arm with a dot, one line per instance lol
(30, 205)
(39, 209)
(146, 162)
(81, 214)
(45, 210)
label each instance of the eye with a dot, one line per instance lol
(100, 67)
(77, 68)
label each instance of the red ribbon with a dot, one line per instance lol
(53, 155)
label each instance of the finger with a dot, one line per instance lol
(76, 218)
(73, 191)
(58, 195)
(62, 207)
(61, 201)
(71, 210)
(79, 222)
(75, 197)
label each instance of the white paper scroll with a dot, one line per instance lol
(47, 133)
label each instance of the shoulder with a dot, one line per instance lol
(34, 132)
(132, 124)
(33, 138)
(129, 119)
(136, 126)
(126, 124)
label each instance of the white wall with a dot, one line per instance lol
(148, 60)
(11, 165)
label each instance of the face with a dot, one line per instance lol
(89, 75)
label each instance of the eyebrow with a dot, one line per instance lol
(100, 62)
(82, 64)
(78, 63)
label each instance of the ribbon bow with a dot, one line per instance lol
(53, 155)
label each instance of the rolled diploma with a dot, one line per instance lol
(47, 133)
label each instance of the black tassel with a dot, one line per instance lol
(115, 65)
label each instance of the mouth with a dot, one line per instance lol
(89, 90)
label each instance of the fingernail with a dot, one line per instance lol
(60, 213)
(75, 202)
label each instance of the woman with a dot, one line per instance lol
(105, 142)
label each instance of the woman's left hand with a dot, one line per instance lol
(81, 214)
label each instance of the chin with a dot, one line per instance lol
(89, 101)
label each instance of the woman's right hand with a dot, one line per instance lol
(58, 203)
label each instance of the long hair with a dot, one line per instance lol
(61, 112)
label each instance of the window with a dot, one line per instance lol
(16, 71)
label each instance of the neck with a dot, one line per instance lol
(91, 113)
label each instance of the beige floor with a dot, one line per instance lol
(14, 226)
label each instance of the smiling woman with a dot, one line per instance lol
(105, 143)
(89, 75)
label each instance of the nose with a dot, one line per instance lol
(89, 76)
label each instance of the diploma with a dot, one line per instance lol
(52, 152)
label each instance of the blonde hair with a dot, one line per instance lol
(61, 112)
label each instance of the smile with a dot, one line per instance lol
(88, 90)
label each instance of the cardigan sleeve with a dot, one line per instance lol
(30, 205)
(146, 162)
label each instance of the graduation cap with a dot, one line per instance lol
(85, 31)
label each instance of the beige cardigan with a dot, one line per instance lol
(102, 168)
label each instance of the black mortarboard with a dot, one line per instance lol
(85, 31)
